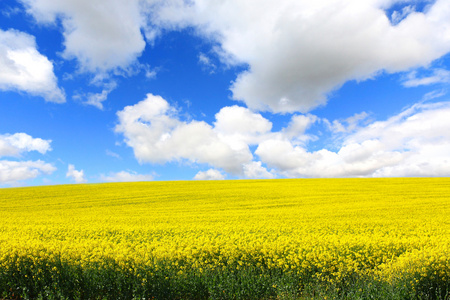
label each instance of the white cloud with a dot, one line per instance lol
(150, 73)
(397, 16)
(438, 76)
(23, 68)
(97, 99)
(75, 175)
(10, 11)
(415, 142)
(125, 176)
(239, 127)
(13, 171)
(210, 174)
(15, 144)
(255, 170)
(153, 130)
(297, 52)
(101, 35)
(239, 120)
(295, 131)
(348, 125)
(300, 51)
(295, 161)
(434, 94)
(112, 154)
(206, 62)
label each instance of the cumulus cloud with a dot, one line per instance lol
(15, 144)
(239, 127)
(210, 174)
(296, 129)
(416, 142)
(239, 120)
(156, 134)
(296, 161)
(255, 170)
(12, 172)
(75, 175)
(101, 35)
(124, 176)
(298, 52)
(23, 68)
(412, 143)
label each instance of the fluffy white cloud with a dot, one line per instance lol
(75, 175)
(415, 142)
(23, 68)
(298, 51)
(125, 176)
(239, 127)
(295, 131)
(255, 170)
(353, 160)
(13, 171)
(14, 144)
(101, 35)
(153, 130)
(210, 174)
(239, 120)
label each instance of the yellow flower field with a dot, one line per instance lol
(205, 239)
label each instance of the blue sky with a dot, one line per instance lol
(98, 91)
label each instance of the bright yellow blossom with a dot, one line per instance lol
(333, 228)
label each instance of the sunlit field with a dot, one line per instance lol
(249, 239)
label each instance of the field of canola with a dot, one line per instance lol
(244, 239)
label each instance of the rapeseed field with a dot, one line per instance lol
(386, 238)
